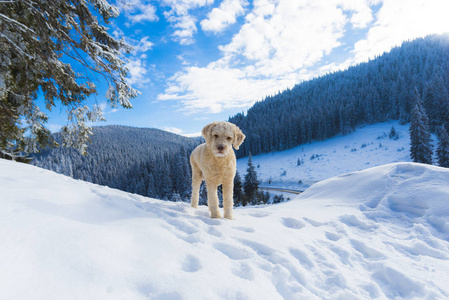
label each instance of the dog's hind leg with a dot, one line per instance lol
(228, 201)
(197, 177)
(212, 200)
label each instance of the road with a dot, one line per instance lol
(280, 190)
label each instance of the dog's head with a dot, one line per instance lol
(221, 136)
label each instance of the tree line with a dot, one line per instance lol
(379, 90)
(149, 162)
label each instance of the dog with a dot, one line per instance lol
(215, 163)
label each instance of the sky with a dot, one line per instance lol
(199, 61)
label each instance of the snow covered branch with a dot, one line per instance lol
(36, 37)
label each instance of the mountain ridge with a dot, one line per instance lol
(132, 159)
(382, 89)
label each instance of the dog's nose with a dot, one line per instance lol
(220, 147)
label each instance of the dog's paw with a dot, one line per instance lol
(228, 215)
(215, 214)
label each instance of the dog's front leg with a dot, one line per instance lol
(212, 200)
(196, 183)
(228, 200)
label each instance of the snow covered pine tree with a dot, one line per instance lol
(238, 194)
(443, 148)
(420, 141)
(251, 183)
(38, 39)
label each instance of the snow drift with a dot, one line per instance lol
(379, 233)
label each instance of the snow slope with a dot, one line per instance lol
(368, 146)
(379, 233)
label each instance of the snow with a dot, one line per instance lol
(379, 233)
(368, 146)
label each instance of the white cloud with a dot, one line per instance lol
(361, 13)
(138, 11)
(272, 51)
(192, 135)
(180, 131)
(172, 130)
(288, 36)
(185, 27)
(106, 108)
(136, 64)
(137, 71)
(400, 20)
(141, 46)
(180, 18)
(223, 16)
(213, 89)
(182, 7)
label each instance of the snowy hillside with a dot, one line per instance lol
(380, 233)
(367, 147)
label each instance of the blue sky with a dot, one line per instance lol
(196, 61)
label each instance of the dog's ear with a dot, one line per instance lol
(238, 138)
(207, 131)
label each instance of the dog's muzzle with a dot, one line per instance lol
(220, 151)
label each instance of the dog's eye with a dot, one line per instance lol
(229, 138)
(216, 135)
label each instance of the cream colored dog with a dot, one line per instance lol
(215, 162)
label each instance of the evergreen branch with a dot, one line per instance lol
(23, 27)
(16, 46)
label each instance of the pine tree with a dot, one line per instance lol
(251, 183)
(443, 149)
(238, 194)
(420, 141)
(393, 135)
(37, 38)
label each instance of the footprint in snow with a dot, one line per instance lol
(182, 226)
(167, 296)
(354, 221)
(259, 214)
(343, 255)
(260, 249)
(231, 251)
(332, 236)
(293, 223)
(396, 283)
(418, 248)
(313, 222)
(214, 232)
(367, 252)
(179, 207)
(209, 221)
(245, 229)
(302, 257)
(244, 271)
(191, 264)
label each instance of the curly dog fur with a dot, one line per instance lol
(215, 163)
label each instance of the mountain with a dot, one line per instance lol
(382, 89)
(149, 162)
(381, 233)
